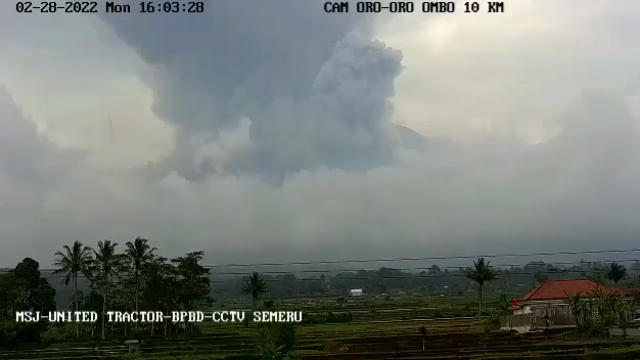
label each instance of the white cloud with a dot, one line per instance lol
(71, 73)
(469, 75)
(219, 152)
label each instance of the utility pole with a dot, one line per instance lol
(110, 128)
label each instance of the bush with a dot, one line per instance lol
(329, 318)
(276, 341)
(137, 335)
(59, 334)
(12, 334)
(596, 314)
(269, 351)
(7, 335)
(195, 332)
(340, 318)
(491, 323)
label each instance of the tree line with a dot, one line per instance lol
(124, 281)
(105, 278)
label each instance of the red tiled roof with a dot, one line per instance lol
(560, 289)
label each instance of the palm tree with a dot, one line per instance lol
(504, 304)
(481, 273)
(106, 265)
(139, 255)
(616, 272)
(73, 262)
(254, 285)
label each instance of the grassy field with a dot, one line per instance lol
(380, 328)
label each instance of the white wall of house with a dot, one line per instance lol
(522, 310)
(558, 307)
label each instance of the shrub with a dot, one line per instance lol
(269, 351)
(595, 315)
(12, 334)
(329, 318)
(58, 334)
(281, 334)
(195, 332)
(137, 335)
(7, 335)
(276, 341)
(492, 322)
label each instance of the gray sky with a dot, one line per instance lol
(265, 133)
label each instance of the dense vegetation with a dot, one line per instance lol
(599, 311)
(137, 278)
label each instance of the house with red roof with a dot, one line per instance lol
(548, 302)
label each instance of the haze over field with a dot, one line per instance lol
(264, 131)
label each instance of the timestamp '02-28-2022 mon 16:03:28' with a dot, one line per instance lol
(110, 7)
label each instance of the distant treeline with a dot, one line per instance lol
(435, 280)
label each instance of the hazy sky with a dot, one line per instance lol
(263, 131)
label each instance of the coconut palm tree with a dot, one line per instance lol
(75, 260)
(616, 272)
(482, 273)
(139, 255)
(255, 286)
(105, 266)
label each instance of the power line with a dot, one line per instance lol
(110, 128)
(409, 276)
(504, 267)
(436, 258)
(316, 271)
(499, 266)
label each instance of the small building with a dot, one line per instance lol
(355, 292)
(547, 304)
(550, 297)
